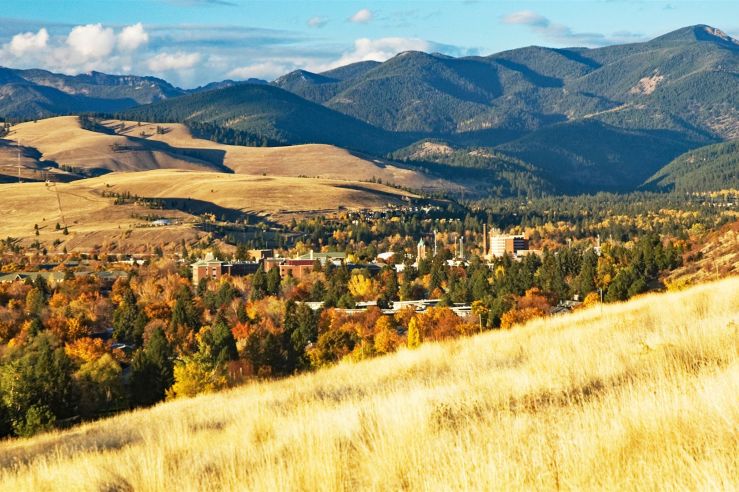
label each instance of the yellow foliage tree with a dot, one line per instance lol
(192, 377)
(387, 339)
(414, 334)
(591, 299)
(362, 288)
(85, 349)
(76, 328)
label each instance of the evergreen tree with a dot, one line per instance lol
(259, 284)
(585, 281)
(221, 341)
(273, 282)
(129, 319)
(152, 370)
(37, 386)
(185, 313)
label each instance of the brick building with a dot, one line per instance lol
(213, 268)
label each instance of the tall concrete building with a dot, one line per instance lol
(502, 244)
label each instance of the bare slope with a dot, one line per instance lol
(315, 160)
(636, 396)
(139, 147)
(62, 141)
(94, 219)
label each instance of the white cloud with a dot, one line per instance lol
(91, 41)
(317, 21)
(380, 49)
(526, 17)
(265, 70)
(28, 41)
(362, 16)
(164, 62)
(562, 34)
(132, 37)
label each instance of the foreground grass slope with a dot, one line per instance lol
(640, 395)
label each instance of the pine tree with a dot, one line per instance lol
(185, 313)
(259, 284)
(152, 370)
(273, 282)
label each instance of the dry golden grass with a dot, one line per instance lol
(638, 396)
(315, 160)
(63, 141)
(94, 219)
(719, 257)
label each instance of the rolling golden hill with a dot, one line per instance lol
(632, 396)
(137, 146)
(94, 220)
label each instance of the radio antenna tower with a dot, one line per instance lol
(18, 148)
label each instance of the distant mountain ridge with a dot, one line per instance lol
(35, 93)
(581, 120)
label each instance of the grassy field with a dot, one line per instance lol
(64, 142)
(633, 396)
(94, 219)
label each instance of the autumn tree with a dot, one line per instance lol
(414, 334)
(101, 386)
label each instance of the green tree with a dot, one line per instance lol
(101, 387)
(152, 370)
(129, 319)
(273, 281)
(185, 313)
(36, 381)
(259, 284)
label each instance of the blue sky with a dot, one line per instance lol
(192, 42)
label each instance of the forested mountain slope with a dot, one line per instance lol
(714, 167)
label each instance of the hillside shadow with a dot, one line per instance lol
(579, 58)
(481, 75)
(195, 206)
(214, 158)
(531, 76)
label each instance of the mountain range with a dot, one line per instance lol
(530, 120)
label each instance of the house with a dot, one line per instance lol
(336, 257)
(261, 254)
(52, 278)
(160, 222)
(296, 268)
(213, 268)
(565, 307)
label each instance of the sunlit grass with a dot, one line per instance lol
(634, 396)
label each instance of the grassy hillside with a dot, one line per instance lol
(95, 220)
(710, 168)
(640, 395)
(55, 143)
